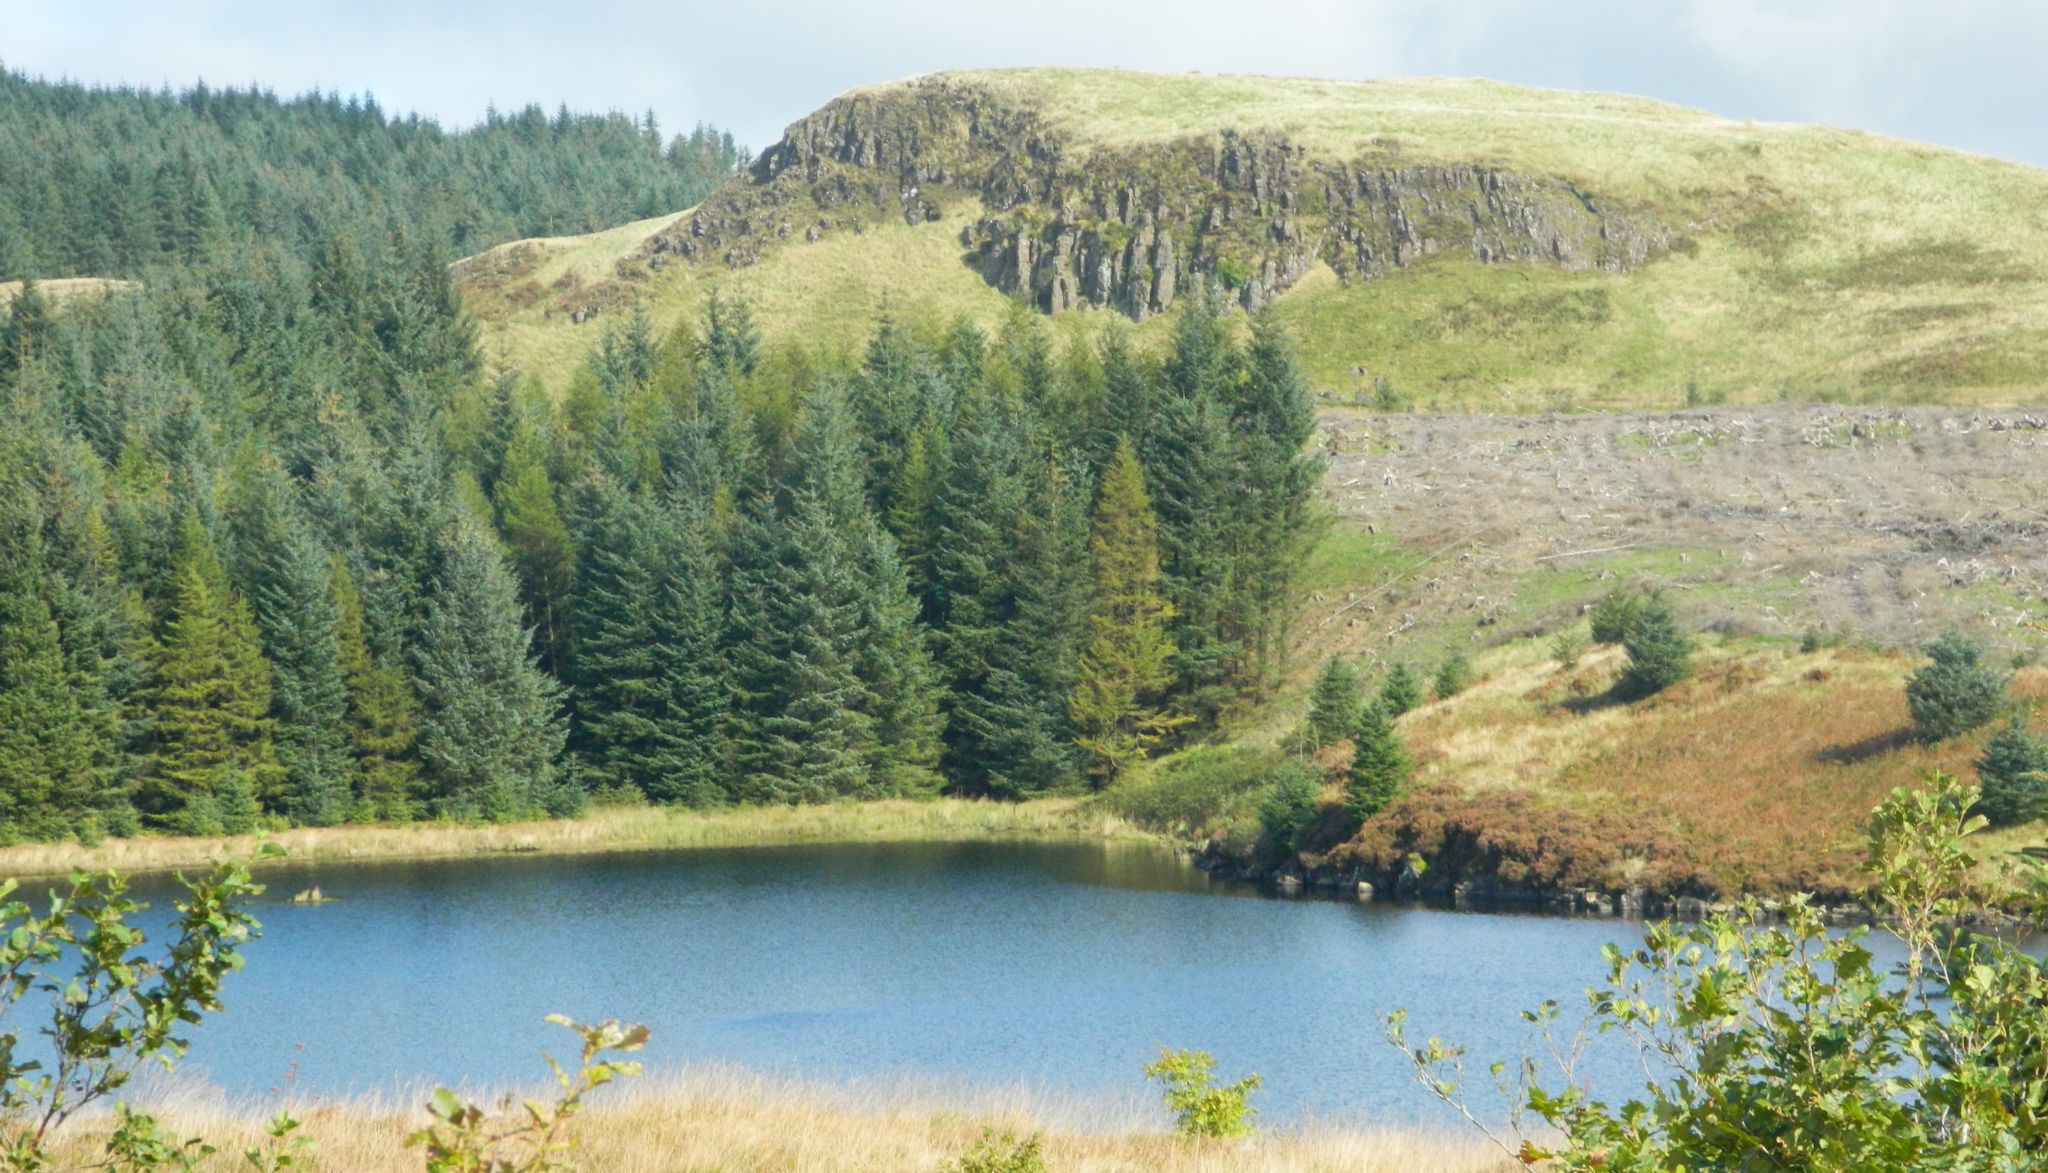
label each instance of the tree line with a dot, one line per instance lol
(115, 182)
(275, 547)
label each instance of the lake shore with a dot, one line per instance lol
(731, 1119)
(614, 829)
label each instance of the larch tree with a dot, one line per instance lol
(209, 704)
(382, 710)
(1117, 705)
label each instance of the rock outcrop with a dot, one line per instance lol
(1130, 228)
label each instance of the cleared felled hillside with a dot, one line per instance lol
(1472, 244)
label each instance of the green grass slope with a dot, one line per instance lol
(1807, 263)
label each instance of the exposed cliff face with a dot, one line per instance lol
(1129, 229)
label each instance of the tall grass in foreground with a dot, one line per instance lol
(727, 1119)
(605, 829)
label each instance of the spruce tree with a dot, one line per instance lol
(1955, 691)
(210, 701)
(1117, 706)
(285, 577)
(834, 689)
(1273, 418)
(2012, 776)
(491, 731)
(977, 574)
(1659, 652)
(1453, 676)
(1336, 703)
(1193, 473)
(536, 536)
(58, 748)
(650, 688)
(1379, 763)
(381, 711)
(1400, 691)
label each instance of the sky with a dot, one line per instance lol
(1962, 73)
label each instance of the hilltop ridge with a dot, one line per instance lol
(1475, 244)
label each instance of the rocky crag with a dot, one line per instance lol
(1131, 228)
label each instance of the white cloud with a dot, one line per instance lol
(1960, 71)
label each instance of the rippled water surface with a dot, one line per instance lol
(1062, 965)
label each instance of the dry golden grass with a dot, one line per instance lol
(63, 289)
(1766, 764)
(731, 1121)
(604, 830)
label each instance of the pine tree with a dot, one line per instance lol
(1955, 691)
(381, 711)
(2012, 776)
(1379, 764)
(1336, 703)
(24, 332)
(1659, 652)
(491, 731)
(1400, 691)
(1127, 666)
(900, 682)
(210, 702)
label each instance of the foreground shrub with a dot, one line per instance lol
(1201, 792)
(1001, 1152)
(1955, 691)
(1199, 1107)
(1784, 1046)
(119, 1007)
(461, 1139)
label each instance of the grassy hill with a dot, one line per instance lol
(1769, 261)
(1757, 774)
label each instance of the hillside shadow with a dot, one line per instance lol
(1611, 698)
(1863, 750)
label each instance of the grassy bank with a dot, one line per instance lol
(603, 830)
(721, 1119)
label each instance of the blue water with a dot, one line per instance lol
(1065, 965)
